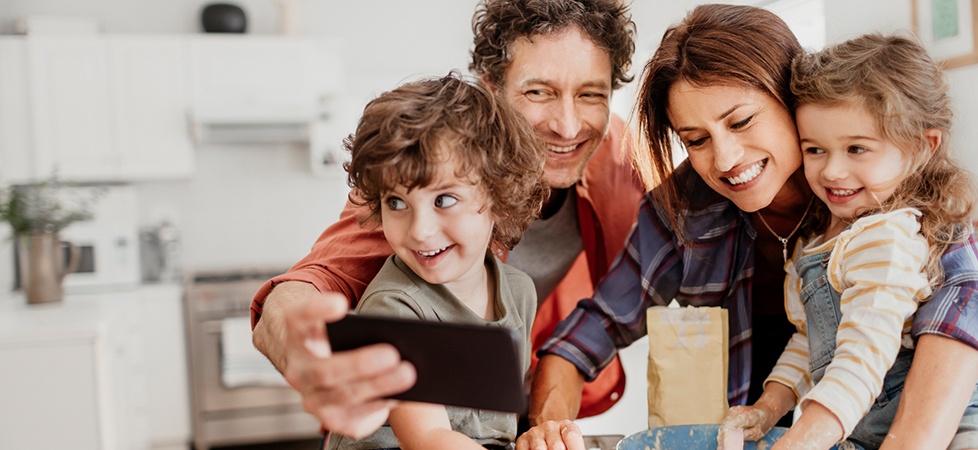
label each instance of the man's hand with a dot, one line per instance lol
(344, 390)
(552, 435)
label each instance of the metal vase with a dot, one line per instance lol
(43, 266)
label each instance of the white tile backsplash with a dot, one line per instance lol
(246, 206)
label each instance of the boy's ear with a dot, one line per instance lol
(933, 136)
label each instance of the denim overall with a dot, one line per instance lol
(823, 317)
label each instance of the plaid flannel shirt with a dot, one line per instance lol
(714, 267)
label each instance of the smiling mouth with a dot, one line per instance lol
(747, 175)
(432, 253)
(565, 149)
(842, 192)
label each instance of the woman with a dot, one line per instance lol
(716, 230)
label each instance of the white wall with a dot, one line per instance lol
(848, 19)
(252, 205)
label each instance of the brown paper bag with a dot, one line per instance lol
(687, 365)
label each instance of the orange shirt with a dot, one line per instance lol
(347, 255)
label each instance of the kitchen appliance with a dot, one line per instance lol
(240, 409)
(159, 252)
(107, 245)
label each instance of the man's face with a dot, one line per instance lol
(561, 83)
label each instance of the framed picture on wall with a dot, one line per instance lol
(948, 29)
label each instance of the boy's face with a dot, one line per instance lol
(561, 83)
(849, 163)
(441, 231)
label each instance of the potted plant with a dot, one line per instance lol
(36, 214)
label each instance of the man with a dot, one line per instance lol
(557, 62)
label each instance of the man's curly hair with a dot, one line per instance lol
(405, 133)
(497, 24)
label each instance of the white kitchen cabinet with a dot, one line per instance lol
(262, 89)
(100, 108)
(99, 371)
(114, 107)
(15, 137)
(161, 320)
(48, 394)
(151, 98)
(69, 107)
(239, 75)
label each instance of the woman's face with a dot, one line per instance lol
(740, 140)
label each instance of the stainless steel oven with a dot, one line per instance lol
(242, 413)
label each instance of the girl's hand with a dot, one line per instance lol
(730, 439)
(753, 422)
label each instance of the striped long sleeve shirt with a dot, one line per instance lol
(877, 265)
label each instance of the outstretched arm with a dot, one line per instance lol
(344, 390)
(555, 399)
(941, 380)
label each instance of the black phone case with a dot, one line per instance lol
(457, 364)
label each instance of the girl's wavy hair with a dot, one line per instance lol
(497, 24)
(405, 133)
(895, 80)
(715, 44)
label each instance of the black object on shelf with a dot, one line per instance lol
(223, 18)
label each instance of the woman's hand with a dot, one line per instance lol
(938, 388)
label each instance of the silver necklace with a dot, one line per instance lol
(784, 240)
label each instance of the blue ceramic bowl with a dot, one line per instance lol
(690, 437)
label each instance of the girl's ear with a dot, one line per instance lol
(933, 136)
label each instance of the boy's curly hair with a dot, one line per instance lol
(403, 135)
(499, 23)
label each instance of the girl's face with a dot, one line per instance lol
(441, 231)
(849, 163)
(740, 140)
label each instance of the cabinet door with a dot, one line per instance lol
(252, 79)
(150, 85)
(49, 396)
(161, 320)
(69, 90)
(16, 164)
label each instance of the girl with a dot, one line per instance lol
(873, 117)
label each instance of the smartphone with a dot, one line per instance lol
(466, 365)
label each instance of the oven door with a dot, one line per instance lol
(215, 396)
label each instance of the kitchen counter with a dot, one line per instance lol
(78, 315)
(107, 368)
